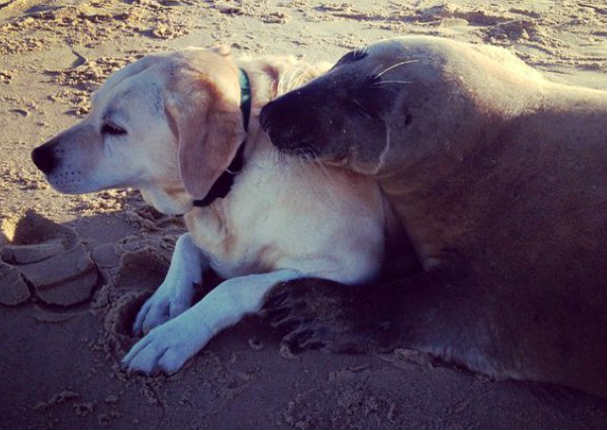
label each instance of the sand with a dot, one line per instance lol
(75, 269)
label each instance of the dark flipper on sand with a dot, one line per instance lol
(319, 314)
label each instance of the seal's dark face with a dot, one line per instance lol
(396, 105)
(338, 117)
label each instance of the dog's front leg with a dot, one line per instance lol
(175, 293)
(168, 346)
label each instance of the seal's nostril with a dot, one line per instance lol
(264, 119)
(44, 158)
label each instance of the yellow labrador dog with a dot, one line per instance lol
(498, 176)
(176, 127)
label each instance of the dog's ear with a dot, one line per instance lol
(208, 124)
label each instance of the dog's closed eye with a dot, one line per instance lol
(109, 127)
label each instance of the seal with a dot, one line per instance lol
(498, 178)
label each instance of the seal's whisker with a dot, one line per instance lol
(306, 154)
(392, 82)
(282, 157)
(322, 167)
(394, 66)
(279, 158)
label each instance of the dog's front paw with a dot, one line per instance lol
(165, 348)
(166, 303)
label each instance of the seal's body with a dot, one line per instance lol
(498, 177)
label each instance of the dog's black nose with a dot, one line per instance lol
(44, 158)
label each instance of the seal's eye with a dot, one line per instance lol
(109, 127)
(352, 56)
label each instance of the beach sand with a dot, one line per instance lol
(75, 269)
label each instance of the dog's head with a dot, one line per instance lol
(168, 125)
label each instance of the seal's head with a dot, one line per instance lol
(336, 116)
(392, 105)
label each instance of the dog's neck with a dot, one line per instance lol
(270, 81)
(223, 184)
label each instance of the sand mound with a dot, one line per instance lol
(46, 261)
(13, 289)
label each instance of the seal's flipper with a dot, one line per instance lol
(319, 314)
